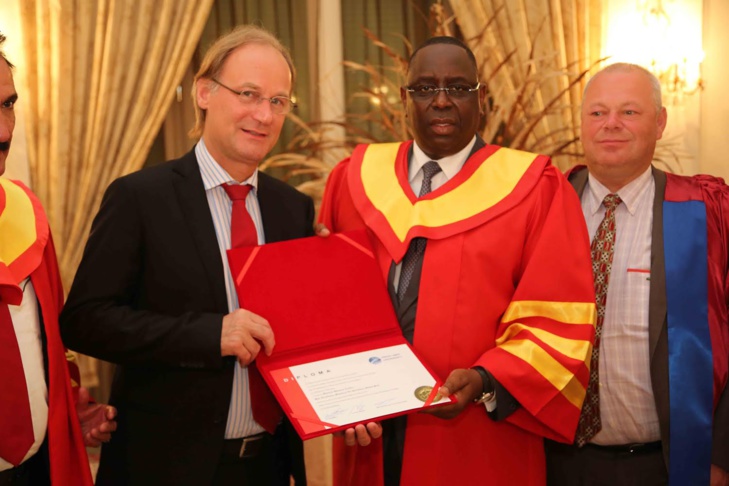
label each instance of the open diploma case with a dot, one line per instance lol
(324, 298)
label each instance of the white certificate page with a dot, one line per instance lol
(357, 387)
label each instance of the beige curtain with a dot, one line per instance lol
(100, 78)
(180, 119)
(534, 54)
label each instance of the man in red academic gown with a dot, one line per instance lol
(664, 347)
(41, 439)
(495, 292)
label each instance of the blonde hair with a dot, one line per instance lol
(217, 54)
(2, 53)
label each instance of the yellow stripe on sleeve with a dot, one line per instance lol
(572, 348)
(566, 312)
(551, 369)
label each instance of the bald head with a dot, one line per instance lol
(625, 67)
(622, 120)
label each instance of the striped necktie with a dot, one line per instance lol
(603, 245)
(414, 256)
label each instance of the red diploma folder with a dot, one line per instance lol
(328, 304)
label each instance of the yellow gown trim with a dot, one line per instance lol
(492, 181)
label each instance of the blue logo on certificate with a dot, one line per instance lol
(375, 360)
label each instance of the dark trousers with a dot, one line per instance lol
(393, 445)
(254, 468)
(271, 462)
(288, 449)
(33, 472)
(569, 465)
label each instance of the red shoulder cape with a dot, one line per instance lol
(510, 291)
(31, 254)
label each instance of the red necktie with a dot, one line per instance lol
(242, 230)
(266, 410)
(16, 424)
(603, 245)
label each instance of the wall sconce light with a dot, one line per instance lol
(382, 93)
(664, 36)
(675, 56)
(680, 78)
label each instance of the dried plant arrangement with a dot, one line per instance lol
(521, 113)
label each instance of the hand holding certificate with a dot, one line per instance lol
(340, 358)
(357, 387)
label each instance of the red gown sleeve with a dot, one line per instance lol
(545, 336)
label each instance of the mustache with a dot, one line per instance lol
(4, 146)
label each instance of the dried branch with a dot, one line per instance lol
(513, 113)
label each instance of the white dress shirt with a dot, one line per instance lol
(450, 166)
(240, 415)
(26, 323)
(627, 406)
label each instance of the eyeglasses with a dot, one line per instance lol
(280, 105)
(429, 91)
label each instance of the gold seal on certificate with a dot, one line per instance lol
(423, 392)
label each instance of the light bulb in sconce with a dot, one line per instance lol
(675, 53)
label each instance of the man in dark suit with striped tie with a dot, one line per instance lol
(154, 292)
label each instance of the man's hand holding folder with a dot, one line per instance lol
(341, 362)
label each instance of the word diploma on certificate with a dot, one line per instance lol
(340, 357)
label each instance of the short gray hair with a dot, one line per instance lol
(626, 67)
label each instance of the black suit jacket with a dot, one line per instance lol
(149, 295)
(658, 333)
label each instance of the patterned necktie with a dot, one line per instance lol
(266, 410)
(15, 419)
(413, 257)
(602, 260)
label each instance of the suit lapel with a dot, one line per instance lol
(190, 193)
(270, 209)
(657, 302)
(578, 179)
(477, 146)
(657, 329)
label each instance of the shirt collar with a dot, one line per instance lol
(213, 174)
(450, 165)
(630, 193)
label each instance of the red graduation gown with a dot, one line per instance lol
(714, 193)
(506, 284)
(25, 222)
(698, 361)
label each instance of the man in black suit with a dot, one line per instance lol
(154, 292)
(663, 407)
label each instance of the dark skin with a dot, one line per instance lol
(96, 419)
(442, 126)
